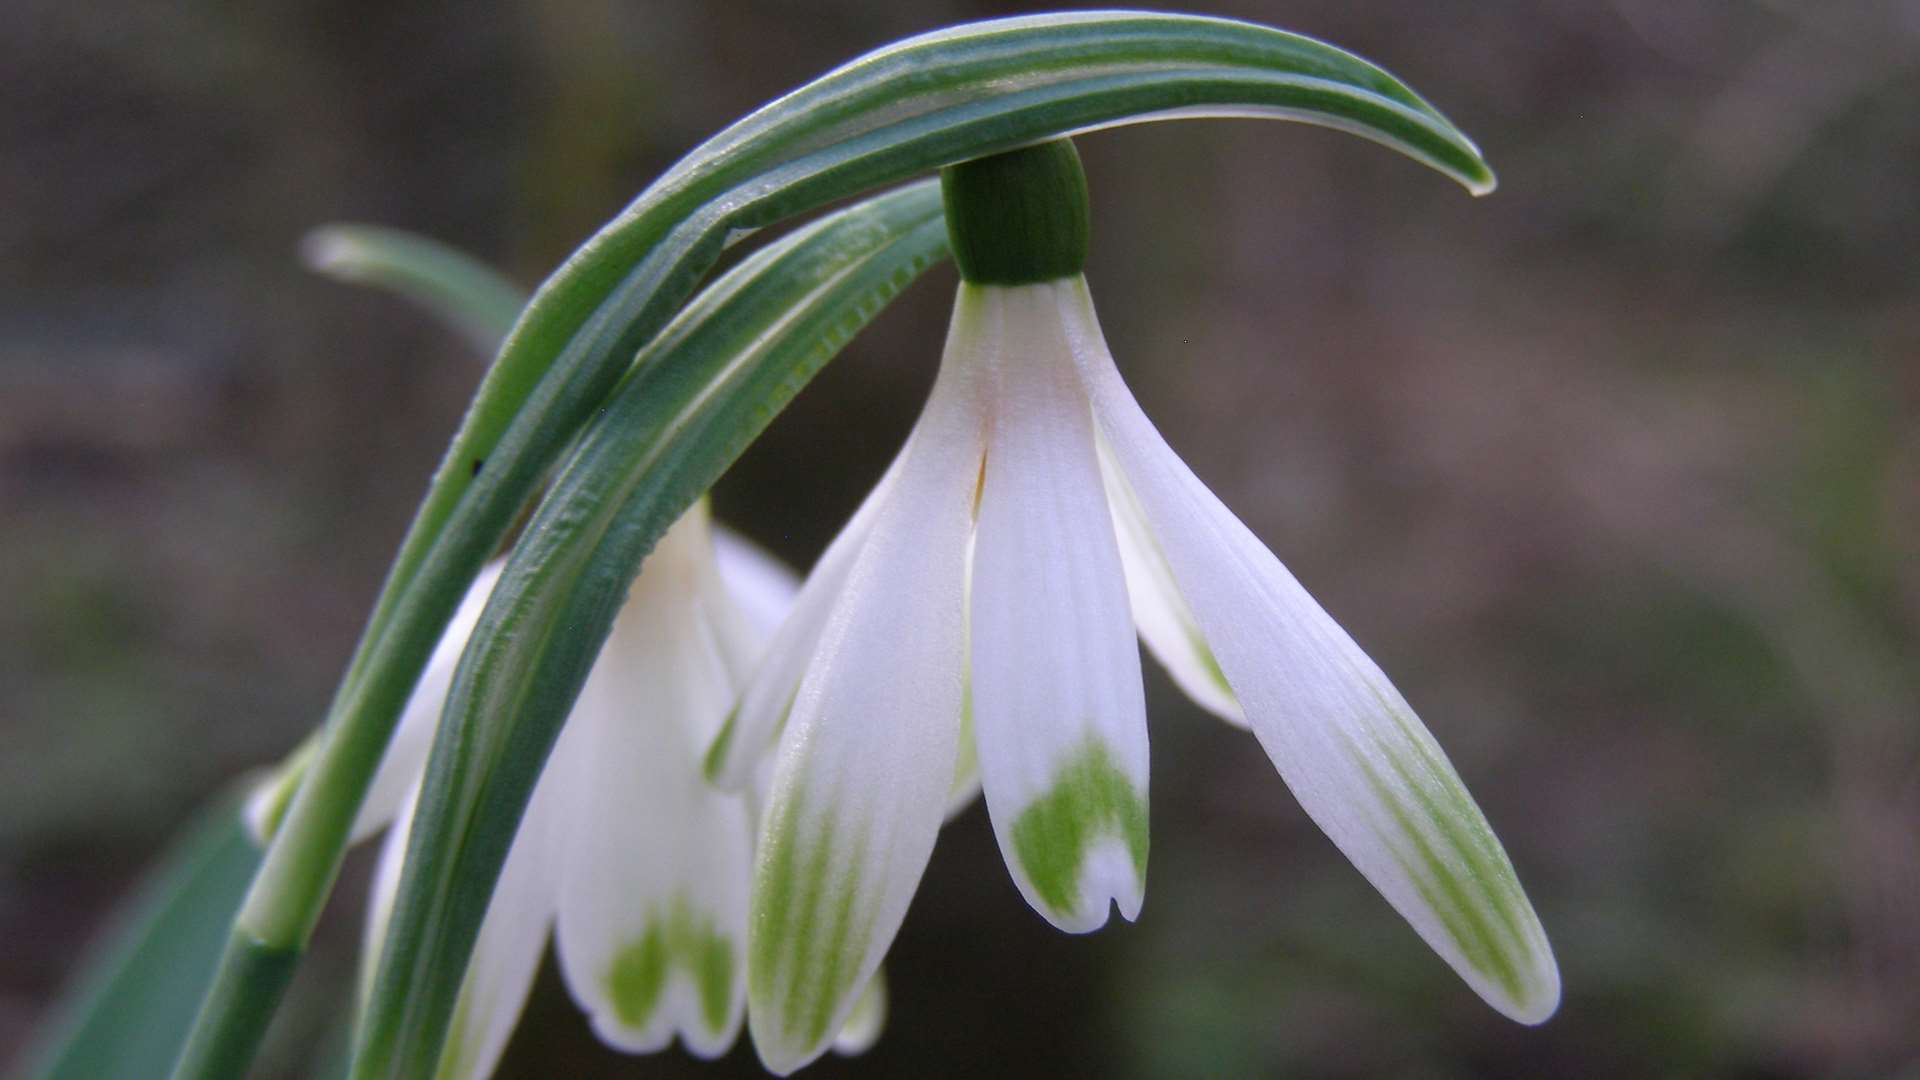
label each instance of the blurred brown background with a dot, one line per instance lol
(1617, 472)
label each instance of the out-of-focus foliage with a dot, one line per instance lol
(1617, 472)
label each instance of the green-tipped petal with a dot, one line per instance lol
(653, 902)
(1058, 708)
(1361, 763)
(868, 756)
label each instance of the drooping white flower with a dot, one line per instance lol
(1033, 522)
(628, 856)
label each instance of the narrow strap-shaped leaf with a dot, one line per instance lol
(470, 295)
(711, 382)
(129, 1008)
(899, 112)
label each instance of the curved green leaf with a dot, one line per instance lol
(128, 1010)
(470, 295)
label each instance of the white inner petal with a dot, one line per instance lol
(652, 919)
(1159, 611)
(760, 713)
(406, 753)
(1058, 709)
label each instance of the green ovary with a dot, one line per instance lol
(1090, 799)
(638, 978)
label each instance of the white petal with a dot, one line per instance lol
(867, 1020)
(760, 714)
(966, 763)
(868, 756)
(1360, 762)
(406, 755)
(1057, 704)
(386, 886)
(742, 592)
(653, 901)
(506, 954)
(763, 587)
(1159, 611)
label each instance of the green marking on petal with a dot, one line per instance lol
(1451, 897)
(966, 766)
(775, 884)
(638, 978)
(808, 936)
(1090, 798)
(716, 758)
(1462, 826)
(1208, 663)
(717, 751)
(1133, 521)
(834, 975)
(713, 974)
(1475, 897)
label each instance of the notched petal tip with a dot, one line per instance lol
(681, 976)
(1083, 844)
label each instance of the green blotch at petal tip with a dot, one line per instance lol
(638, 978)
(1090, 799)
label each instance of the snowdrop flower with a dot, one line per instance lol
(636, 864)
(1033, 522)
